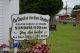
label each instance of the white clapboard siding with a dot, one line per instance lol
(7, 8)
(1, 20)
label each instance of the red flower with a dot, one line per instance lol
(4, 45)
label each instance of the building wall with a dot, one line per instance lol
(1, 21)
(9, 7)
(78, 16)
(62, 18)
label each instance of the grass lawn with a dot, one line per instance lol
(65, 40)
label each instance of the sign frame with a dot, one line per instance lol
(28, 13)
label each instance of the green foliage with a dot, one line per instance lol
(29, 43)
(73, 14)
(76, 7)
(50, 7)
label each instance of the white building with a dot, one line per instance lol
(7, 8)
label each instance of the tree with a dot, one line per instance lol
(50, 7)
(76, 7)
(73, 14)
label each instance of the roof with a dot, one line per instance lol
(77, 10)
(61, 14)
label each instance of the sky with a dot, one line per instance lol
(71, 3)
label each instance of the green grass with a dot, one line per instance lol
(65, 40)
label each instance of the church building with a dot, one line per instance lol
(7, 8)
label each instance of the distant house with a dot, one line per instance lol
(62, 17)
(7, 8)
(77, 12)
(65, 18)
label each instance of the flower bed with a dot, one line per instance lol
(33, 47)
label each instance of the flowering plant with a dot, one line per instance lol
(4, 45)
(34, 47)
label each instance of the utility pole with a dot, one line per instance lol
(66, 8)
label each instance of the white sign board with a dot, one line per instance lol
(29, 25)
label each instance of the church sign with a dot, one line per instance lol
(29, 25)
